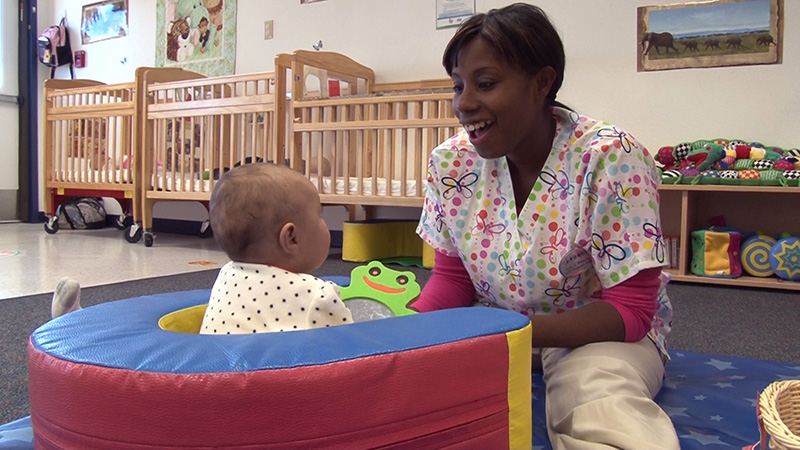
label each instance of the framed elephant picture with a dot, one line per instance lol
(709, 34)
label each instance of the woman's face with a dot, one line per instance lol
(501, 107)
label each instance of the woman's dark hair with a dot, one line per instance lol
(522, 35)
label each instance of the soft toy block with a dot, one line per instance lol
(715, 253)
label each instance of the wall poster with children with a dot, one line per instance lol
(197, 35)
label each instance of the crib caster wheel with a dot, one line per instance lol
(133, 233)
(205, 229)
(123, 222)
(148, 239)
(51, 225)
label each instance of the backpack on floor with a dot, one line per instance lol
(53, 48)
(82, 213)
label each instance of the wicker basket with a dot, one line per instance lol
(779, 406)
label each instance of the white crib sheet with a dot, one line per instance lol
(194, 184)
(367, 187)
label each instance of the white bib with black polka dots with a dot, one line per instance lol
(256, 298)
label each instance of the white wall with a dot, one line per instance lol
(399, 40)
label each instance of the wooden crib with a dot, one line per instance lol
(90, 143)
(198, 128)
(371, 140)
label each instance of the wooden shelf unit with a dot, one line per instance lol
(768, 209)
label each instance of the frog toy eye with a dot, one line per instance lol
(374, 271)
(402, 280)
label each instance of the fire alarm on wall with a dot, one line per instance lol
(80, 58)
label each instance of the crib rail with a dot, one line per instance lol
(199, 128)
(87, 135)
(377, 147)
(361, 142)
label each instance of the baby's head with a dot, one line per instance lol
(269, 214)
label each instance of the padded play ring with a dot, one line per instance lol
(755, 256)
(784, 258)
(108, 377)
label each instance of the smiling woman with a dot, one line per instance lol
(541, 210)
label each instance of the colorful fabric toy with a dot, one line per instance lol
(382, 292)
(681, 150)
(666, 156)
(715, 253)
(755, 255)
(784, 258)
(705, 156)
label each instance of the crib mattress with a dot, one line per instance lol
(382, 187)
(117, 176)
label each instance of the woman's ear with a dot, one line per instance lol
(288, 238)
(544, 80)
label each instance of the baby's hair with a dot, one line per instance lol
(250, 203)
(523, 36)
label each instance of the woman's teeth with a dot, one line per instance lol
(476, 126)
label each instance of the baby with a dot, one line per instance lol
(268, 220)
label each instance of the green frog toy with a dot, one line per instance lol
(377, 292)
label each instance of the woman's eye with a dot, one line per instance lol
(457, 89)
(485, 85)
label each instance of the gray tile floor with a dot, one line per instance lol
(32, 261)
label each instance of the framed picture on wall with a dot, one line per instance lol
(104, 20)
(450, 13)
(709, 34)
(196, 35)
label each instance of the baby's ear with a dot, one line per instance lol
(288, 239)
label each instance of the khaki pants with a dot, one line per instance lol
(601, 396)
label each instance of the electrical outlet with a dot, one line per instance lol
(267, 29)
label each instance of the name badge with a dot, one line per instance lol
(575, 262)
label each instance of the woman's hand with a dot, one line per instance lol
(595, 322)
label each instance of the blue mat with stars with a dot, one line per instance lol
(711, 400)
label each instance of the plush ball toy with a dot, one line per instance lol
(755, 255)
(666, 156)
(784, 258)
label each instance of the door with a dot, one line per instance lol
(9, 110)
